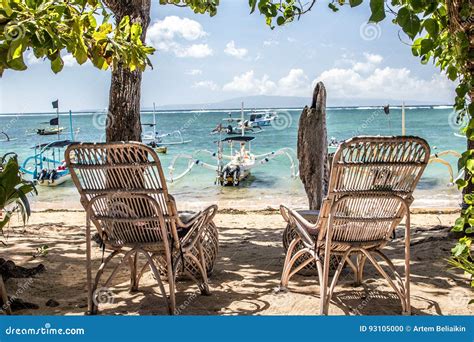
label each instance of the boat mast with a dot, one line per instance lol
(57, 116)
(70, 125)
(242, 126)
(403, 119)
(154, 121)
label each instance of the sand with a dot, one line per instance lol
(246, 273)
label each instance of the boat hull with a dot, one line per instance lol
(58, 181)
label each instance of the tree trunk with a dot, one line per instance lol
(123, 119)
(312, 148)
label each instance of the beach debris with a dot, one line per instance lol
(8, 270)
(52, 303)
(41, 251)
(313, 147)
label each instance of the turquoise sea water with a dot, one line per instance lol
(269, 184)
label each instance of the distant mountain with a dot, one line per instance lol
(260, 101)
(267, 101)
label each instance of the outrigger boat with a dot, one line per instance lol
(239, 163)
(158, 141)
(262, 118)
(47, 166)
(7, 137)
(49, 131)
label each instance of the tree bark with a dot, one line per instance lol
(123, 119)
(312, 148)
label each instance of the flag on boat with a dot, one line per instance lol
(54, 122)
(55, 104)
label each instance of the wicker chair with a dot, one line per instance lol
(370, 192)
(124, 193)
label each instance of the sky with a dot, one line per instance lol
(200, 59)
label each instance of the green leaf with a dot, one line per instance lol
(459, 224)
(333, 7)
(470, 165)
(7, 8)
(409, 22)
(57, 64)
(355, 3)
(252, 4)
(431, 26)
(377, 8)
(426, 46)
(461, 183)
(452, 73)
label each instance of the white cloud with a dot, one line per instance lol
(31, 59)
(248, 83)
(194, 72)
(234, 51)
(172, 26)
(270, 42)
(167, 35)
(69, 60)
(206, 84)
(369, 80)
(295, 83)
(195, 51)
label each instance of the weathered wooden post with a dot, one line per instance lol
(314, 169)
(313, 148)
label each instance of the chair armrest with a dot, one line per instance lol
(197, 225)
(303, 228)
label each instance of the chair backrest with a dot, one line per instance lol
(371, 185)
(123, 187)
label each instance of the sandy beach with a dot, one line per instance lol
(246, 273)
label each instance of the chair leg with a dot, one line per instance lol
(285, 276)
(205, 282)
(324, 309)
(95, 284)
(172, 286)
(335, 277)
(407, 264)
(6, 302)
(90, 303)
(150, 262)
(400, 293)
(133, 260)
(359, 276)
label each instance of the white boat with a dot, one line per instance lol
(160, 141)
(242, 161)
(233, 168)
(262, 118)
(46, 166)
